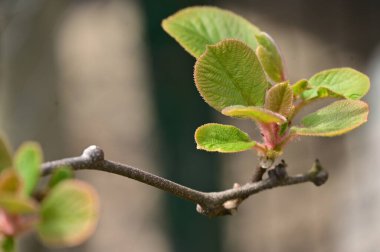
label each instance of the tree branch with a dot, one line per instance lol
(208, 203)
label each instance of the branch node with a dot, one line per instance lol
(279, 171)
(258, 174)
(214, 211)
(233, 204)
(236, 185)
(200, 209)
(93, 153)
(265, 162)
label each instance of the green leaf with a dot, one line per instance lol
(341, 82)
(229, 73)
(195, 28)
(283, 128)
(17, 204)
(336, 119)
(255, 113)
(222, 138)
(279, 99)
(61, 174)
(300, 86)
(5, 155)
(8, 244)
(320, 92)
(68, 214)
(270, 57)
(28, 161)
(10, 181)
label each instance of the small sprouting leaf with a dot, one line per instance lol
(336, 119)
(229, 73)
(59, 175)
(320, 92)
(195, 28)
(279, 99)
(283, 128)
(270, 58)
(8, 244)
(10, 181)
(69, 214)
(5, 155)
(17, 204)
(343, 82)
(222, 138)
(28, 161)
(254, 113)
(300, 86)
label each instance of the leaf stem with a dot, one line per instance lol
(260, 148)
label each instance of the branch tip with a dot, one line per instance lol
(320, 178)
(94, 153)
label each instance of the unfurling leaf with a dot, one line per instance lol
(270, 58)
(5, 155)
(254, 113)
(59, 175)
(17, 204)
(336, 119)
(8, 244)
(195, 28)
(68, 214)
(10, 181)
(300, 86)
(222, 138)
(338, 82)
(28, 161)
(279, 99)
(229, 73)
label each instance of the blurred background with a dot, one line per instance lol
(77, 72)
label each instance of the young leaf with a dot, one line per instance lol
(300, 86)
(222, 138)
(325, 92)
(336, 119)
(59, 175)
(196, 27)
(320, 92)
(229, 73)
(270, 58)
(10, 181)
(5, 155)
(279, 99)
(28, 161)
(68, 214)
(343, 82)
(17, 204)
(254, 113)
(8, 244)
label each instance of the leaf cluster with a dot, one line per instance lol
(63, 212)
(239, 72)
